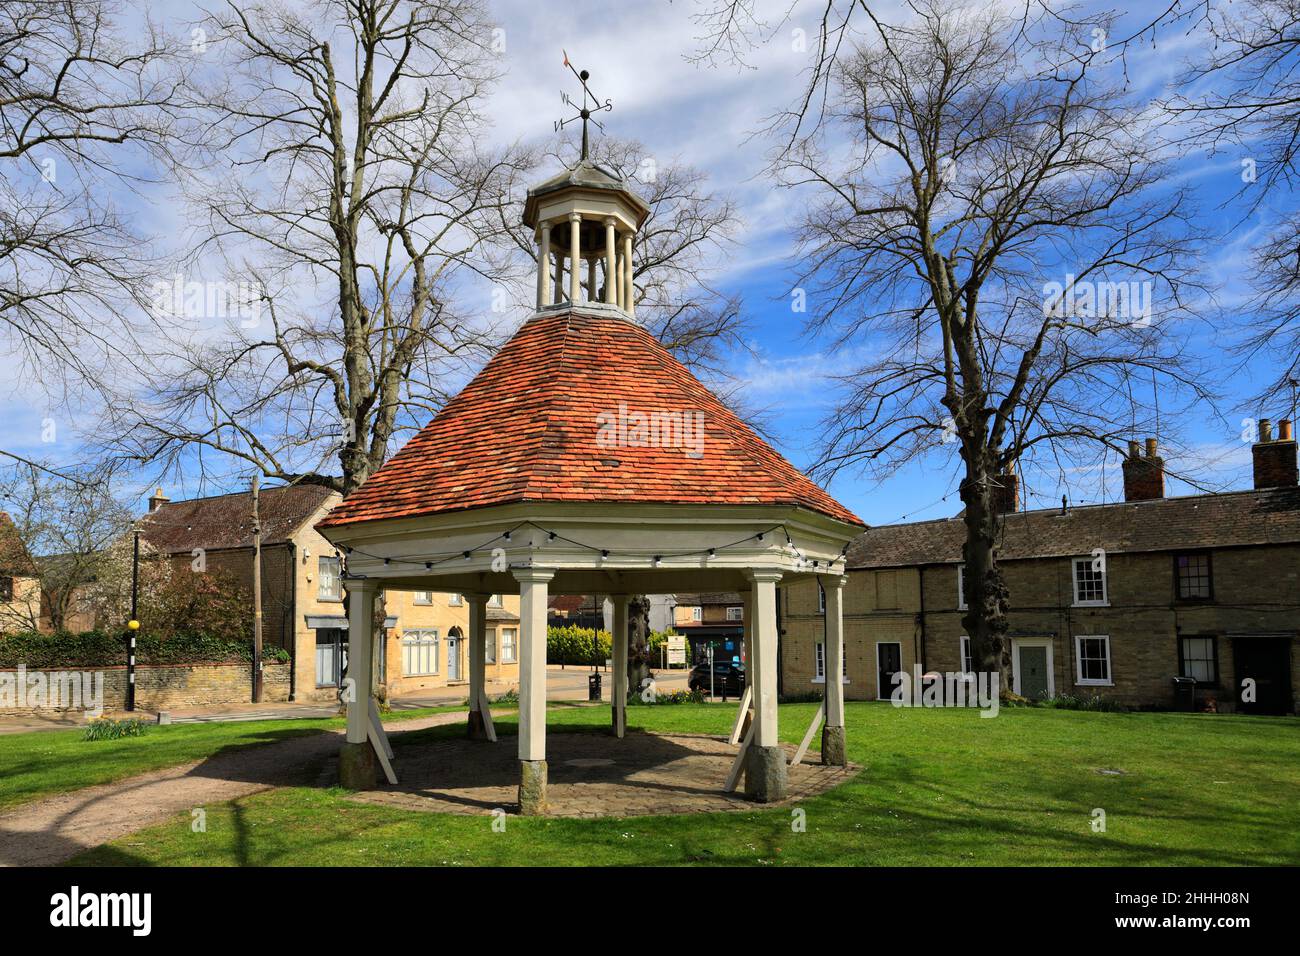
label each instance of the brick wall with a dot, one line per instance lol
(181, 686)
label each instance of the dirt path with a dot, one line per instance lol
(55, 829)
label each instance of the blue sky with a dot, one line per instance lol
(707, 117)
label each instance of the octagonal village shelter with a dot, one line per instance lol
(585, 459)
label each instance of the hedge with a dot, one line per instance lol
(577, 645)
(99, 649)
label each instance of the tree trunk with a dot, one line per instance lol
(638, 642)
(984, 588)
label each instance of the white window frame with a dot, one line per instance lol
(455, 600)
(1074, 582)
(490, 646)
(967, 662)
(961, 587)
(494, 601)
(821, 598)
(422, 598)
(1078, 661)
(697, 613)
(513, 656)
(735, 612)
(335, 574)
(421, 642)
(820, 666)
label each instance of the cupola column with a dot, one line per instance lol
(629, 291)
(611, 272)
(544, 267)
(618, 281)
(575, 256)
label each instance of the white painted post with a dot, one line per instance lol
(575, 257)
(477, 659)
(833, 746)
(361, 622)
(611, 284)
(764, 649)
(544, 267)
(834, 587)
(618, 683)
(532, 661)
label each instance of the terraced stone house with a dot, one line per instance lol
(1111, 600)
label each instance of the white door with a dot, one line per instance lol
(453, 656)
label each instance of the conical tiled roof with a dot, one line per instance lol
(529, 427)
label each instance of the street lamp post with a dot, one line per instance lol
(133, 625)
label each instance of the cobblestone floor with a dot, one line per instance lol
(589, 775)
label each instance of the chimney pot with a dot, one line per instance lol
(1284, 430)
(1265, 430)
(1134, 449)
(158, 500)
(1151, 448)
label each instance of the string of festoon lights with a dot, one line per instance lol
(431, 561)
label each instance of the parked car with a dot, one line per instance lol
(728, 678)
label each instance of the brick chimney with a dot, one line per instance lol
(1144, 476)
(1006, 491)
(1275, 458)
(158, 500)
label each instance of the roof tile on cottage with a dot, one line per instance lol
(526, 430)
(1256, 517)
(226, 521)
(15, 560)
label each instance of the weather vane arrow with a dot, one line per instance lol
(590, 105)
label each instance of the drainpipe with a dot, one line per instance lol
(293, 622)
(920, 590)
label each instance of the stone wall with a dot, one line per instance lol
(170, 687)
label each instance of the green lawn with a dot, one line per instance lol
(43, 762)
(938, 787)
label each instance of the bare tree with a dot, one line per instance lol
(731, 30)
(343, 182)
(68, 522)
(998, 241)
(1251, 105)
(82, 103)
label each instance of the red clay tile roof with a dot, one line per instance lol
(15, 560)
(226, 521)
(1236, 518)
(525, 429)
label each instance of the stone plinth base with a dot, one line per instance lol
(833, 747)
(358, 767)
(532, 787)
(765, 774)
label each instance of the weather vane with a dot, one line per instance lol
(590, 104)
